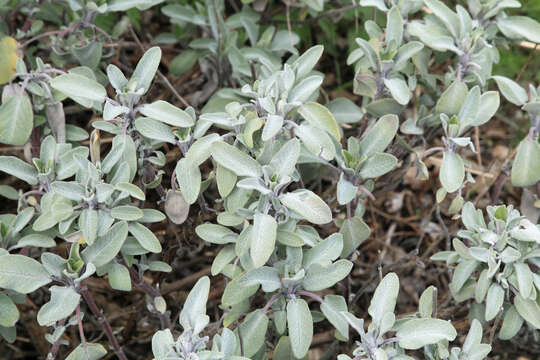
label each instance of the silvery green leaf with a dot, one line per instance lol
(235, 292)
(53, 263)
(131, 189)
(162, 344)
(119, 278)
(317, 141)
(447, 16)
(8, 333)
(183, 13)
(525, 279)
(379, 4)
(526, 231)
(369, 52)
(303, 90)
(22, 274)
(377, 164)
(354, 231)
(235, 160)
(169, 114)
(284, 161)
(406, 52)
(145, 237)
(9, 314)
(200, 150)
(462, 273)
(494, 301)
(283, 349)
(320, 117)
(116, 77)
(16, 119)
(9, 192)
(215, 234)
(511, 90)
(123, 5)
(489, 104)
(319, 277)
(289, 238)
(452, 172)
(417, 333)
(309, 205)
(267, 277)
(482, 286)
(151, 216)
(512, 323)
(271, 128)
(35, 240)
(126, 212)
(529, 310)
(356, 323)
(346, 191)
(155, 130)
(263, 239)
(378, 138)
(426, 302)
(433, 37)
(398, 89)
(226, 180)
(72, 84)
(469, 110)
(474, 337)
(195, 304)
(253, 184)
(107, 246)
(111, 111)
(253, 331)
(526, 169)
(22, 219)
(452, 98)
(224, 257)
(146, 68)
(300, 325)
(91, 352)
(324, 252)
(189, 180)
(394, 26)
(345, 111)
(520, 27)
(18, 168)
(384, 298)
(63, 302)
(70, 190)
(332, 307)
(307, 61)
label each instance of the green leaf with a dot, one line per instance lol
(18, 168)
(316, 141)
(394, 26)
(267, 277)
(511, 90)
(63, 302)
(332, 307)
(146, 68)
(307, 61)
(452, 171)
(398, 89)
(525, 279)
(529, 310)
(452, 98)
(253, 331)
(91, 352)
(520, 27)
(526, 166)
(126, 212)
(131, 189)
(215, 234)
(107, 246)
(320, 117)
(263, 239)
(417, 333)
(304, 89)
(512, 323)
(145, 237)
(189, 180)
(447, 16)
(319, 277)
(384, 298)
(9, 314)
(169, 114)
(155, 130)
(380, 135)
(324, 252)
(300, 325)
(235, 160)
(309, 205)
(183, 62)
(494, 301)
(195, 304)
(16, 119)
(22, 274)
(200, 150)
(346, 191)
(284, 161)
(119, 278)
(80, 86)
(354, 231)
(377, 164)
(226, 180)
